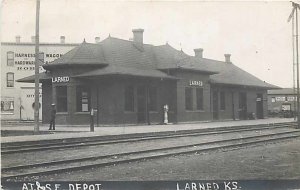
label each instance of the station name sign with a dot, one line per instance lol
(196, 83)
(60, 79)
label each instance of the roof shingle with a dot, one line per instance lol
(122, 57)
(128, 71)
(84, 54)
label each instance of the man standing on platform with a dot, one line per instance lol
(52, 120)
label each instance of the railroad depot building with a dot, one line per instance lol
(18, 61)
(129, 82)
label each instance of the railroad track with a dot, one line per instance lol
(6, 149)
(68, 165)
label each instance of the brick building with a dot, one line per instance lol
(18, 61)
(129, 82)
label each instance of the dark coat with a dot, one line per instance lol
(53, 113)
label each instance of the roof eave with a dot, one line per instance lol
(51, 66)
(193, 70)
(250, 86)
(131, 75)
(31, 78)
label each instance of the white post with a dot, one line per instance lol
(166, 109)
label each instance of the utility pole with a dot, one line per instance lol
(37, 66)
(294, 75)
(297, 61)
(295, 11)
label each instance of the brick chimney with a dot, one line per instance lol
(97, 40)
(18, 39)
(138, 37)
(62, 39)
(198, 53)
(227, 58)
(33, 39)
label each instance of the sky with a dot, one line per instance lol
(255, 33)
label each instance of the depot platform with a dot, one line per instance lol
(75, 132)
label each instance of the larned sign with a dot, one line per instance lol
(196, 83)
(60, 79)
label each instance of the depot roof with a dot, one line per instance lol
(84, 54)
(283, 91)
(123, 57)
(30, 79)
(127, 71)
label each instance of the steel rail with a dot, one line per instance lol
(292, 134)
(18, 149)
(151, 134)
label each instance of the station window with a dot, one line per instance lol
(152, 99)
(83, 99)
(199, 98)
(10, 79)
(188, 99)
(129, 98)
(10, 58)
(62, 99)
(222, 100)
(242, 100)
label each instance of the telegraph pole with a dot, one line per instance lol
(297, 61)
(295, 11)
(36, 80)
(294, 75)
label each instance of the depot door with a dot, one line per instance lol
(259, 106)
(242, 105)
(215, 105)
(141, 104)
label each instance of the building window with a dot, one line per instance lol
(7, 105)
(129, 98)
(273, 99)
(188, 99)
(222, 100)
(199, 96)
(61, 98)
(83, 99)
(242, 100)
(290, 98)
(152, 99)
(10, 58)
(10, 79)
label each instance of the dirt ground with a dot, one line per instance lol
(270, 161)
